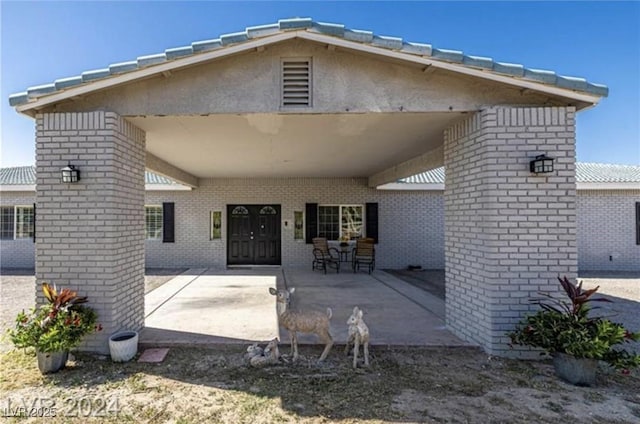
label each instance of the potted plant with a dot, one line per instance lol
(344, 241)
(576, 340)
(54, 328)
(123, 346)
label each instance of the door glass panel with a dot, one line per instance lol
(268, 210)
(240, 210)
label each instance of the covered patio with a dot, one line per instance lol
(233, 306)
(283, 126)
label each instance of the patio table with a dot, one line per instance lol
(344, 251)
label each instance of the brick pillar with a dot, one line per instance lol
(508, 233)
(90, 234)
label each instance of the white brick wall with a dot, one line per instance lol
(605, 227)
(508, 233)
(18, 253)
(410, 223)
(607, 230)
(90, 234)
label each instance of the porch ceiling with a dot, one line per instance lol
(293, 145)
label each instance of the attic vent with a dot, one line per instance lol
(296, 82)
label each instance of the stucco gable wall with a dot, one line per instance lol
(342, 82)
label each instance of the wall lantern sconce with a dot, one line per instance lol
(541, 165)
(70, 174)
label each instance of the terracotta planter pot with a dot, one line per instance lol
(50, 362)
(577, 371)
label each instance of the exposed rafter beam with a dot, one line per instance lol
(426, 161)
(428, 69)
(162, 167)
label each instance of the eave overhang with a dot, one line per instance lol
(569, 88)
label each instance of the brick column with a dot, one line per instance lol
(90, 234)
(508, 233)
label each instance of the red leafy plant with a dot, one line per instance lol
(578, 297)
(58, 325)
(562, 326)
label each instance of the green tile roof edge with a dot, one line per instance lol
(26, 175)
(329, 29)
(586, 172)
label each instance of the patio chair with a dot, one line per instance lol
(325, 256)
(364, 254)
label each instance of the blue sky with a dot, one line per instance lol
(600, 41)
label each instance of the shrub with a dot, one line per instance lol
(58, 325)
(566, 327)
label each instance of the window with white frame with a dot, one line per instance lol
(340, 221)
(6, 222)
(153, 222)
(24, 222)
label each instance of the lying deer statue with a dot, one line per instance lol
(304, 322)
(270, 355)
(358, 335)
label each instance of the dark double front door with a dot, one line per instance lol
(254, 235)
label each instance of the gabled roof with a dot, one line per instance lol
(24, 178)
(452, 60)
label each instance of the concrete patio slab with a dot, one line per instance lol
(397, 313)
(233, 306)
(208, 306)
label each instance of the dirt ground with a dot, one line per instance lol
(403, 385)
(621, 288)
(425, 385)
(17, 293)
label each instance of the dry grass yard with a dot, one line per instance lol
(424, 385)
(403, 385)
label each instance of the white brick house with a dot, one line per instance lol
(284, 131)
(606, 213)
